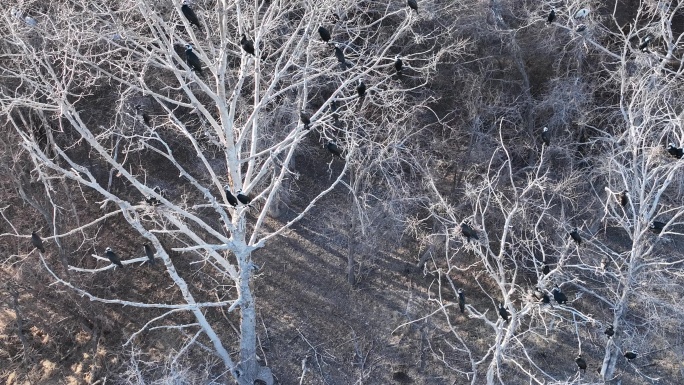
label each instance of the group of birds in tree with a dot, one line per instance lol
(240, 197)
(579, 15)
(37, 242)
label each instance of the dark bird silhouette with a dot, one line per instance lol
(231, 198)
(546, 269)
(546, 136)
(552, 16)
(339, 54)
(247, 45)
(152, 200)
(334, 149)
(398, 64)
(559, 296)
(325, 34)
(461, 300)
(243, 198)
(631, 355)
(581, 28)
(305, 118)
(190, 15)
(657, 227)
(541, 296)
(581, 363)
(37, 242)
(468, 232)
(109, 253)
(574, 234)
(139, 110)
(149, 253)
(609, 331)
(334, 106)
(623, 198)
(413, 4)
(644, 43)
(361, 89)
(193, 61)
(503, 312)
(677, 152)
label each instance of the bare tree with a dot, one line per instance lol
(164, 122)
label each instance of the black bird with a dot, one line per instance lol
(361, 89)
(325, 34)
(581, 363)
(334, 106)
(657, 227)
(546, 269)
(503, 312)
(247, 45)
(398, 64)
(675, 151)
(468, 232)
(413, 4)
(631, 355)
(139, 110)
(231, 198)
(559, 296)
(541, 296)
(109, 253)
(461, 300)
(609, 331)
(644, 44)
(305, 118)
(623, 198)
(152, 200)
(546, 136)
(193, 61)
(574, 234)
(149, 253)
(340, 56)
(37, 242)
(190, 15)
(333, 148)
(581, 28)
(244, 199)
(552, 16)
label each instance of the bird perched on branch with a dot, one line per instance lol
(541, 296)
(468, 232)
(461, 300)
(231, 198)
(140, 112)
(324, 33)
(361, 89)
(677, 152)
(623, 198)
(398, 64)
(305, 118)
(559, 296)
(503, 312)
(644, 43)
(243, 198)
(657, 227)
(113, 258)
(546, 136)
(609, 331)
(581, 363)
(190, 15)
(339, 54)
(631, 355)
(552, 16)
(149, 253)
(247, 45)
(334, 149)
(193, 61)
(413, 4)
(574, 234)
(37, 242)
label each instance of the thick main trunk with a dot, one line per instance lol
(248, 369)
